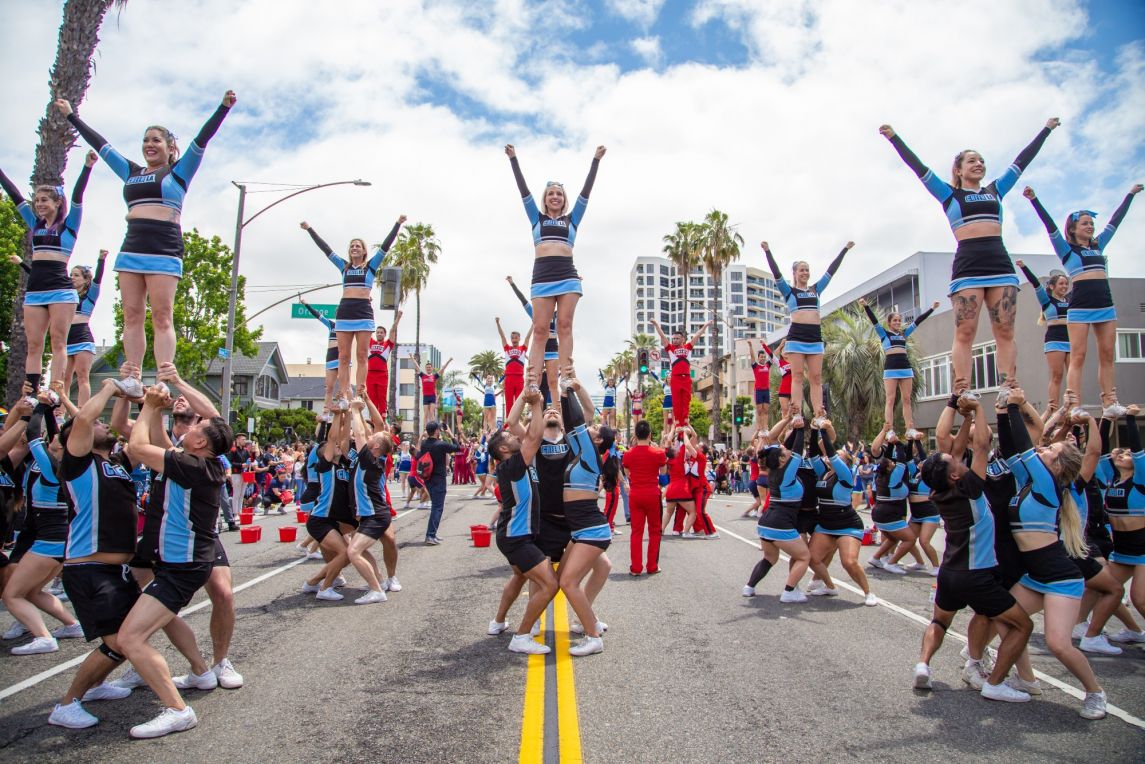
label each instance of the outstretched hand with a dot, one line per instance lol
(90, 159)
(304, 226)
(1029, 193)
(230, 99)
(510, 151)
(1053, 123)
(64, 106)
(600, 150)
(887, 131)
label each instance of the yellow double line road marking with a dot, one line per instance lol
(550, 727)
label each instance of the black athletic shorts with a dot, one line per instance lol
(176, 583)
(806, 520)
(587, 523)
(554, 536)
(221, 560)
(521, 552)
(23, 543)
(374, 525)
(753, 488)
(101, 594)
(319, 527)
(1088, 566)
(980, 590)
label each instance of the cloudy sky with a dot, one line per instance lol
(768, 111)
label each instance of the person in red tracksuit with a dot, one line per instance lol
(515, 354)
(642, 462)
(680, 354)
(378, 365)
(678, 495)
(698, 487)
(784, 382)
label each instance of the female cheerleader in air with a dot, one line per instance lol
(1090, 301)
(150, 261)
(982, 273)
(556, 284)
(81, 342)
(804, 346)
(608, 405)
(897, 373)
(354, 321)
(50, 299)
(1053, 297)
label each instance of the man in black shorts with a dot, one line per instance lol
(969, 574)
(186, 552)
(101, 538)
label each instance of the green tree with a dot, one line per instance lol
(271, 424)
(69, 78)
(415, 252)
(471, 416)
(200, 299)
(719, 247)
(485, 363)
(12, 238)
(726, 413)
(699, 418)
(654, 413)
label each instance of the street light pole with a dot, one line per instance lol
(240, 224)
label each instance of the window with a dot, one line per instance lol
(405, 363)
(664, 283)
(639, 281)
(736, 299)
(308, 405)
(266, 387)
(664, 270)
(1130, 344)
(935, 374)
(736, 276)
(639, 292)
(240, 386)
(984, 368)
(639, 268)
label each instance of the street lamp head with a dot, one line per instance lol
(360, 182)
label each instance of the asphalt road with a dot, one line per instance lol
(692, 672)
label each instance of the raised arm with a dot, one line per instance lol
(339, 262)
(198, 402)
(1010, 176)
(909, 330)
(825, 279)
(325, 321)
(531, 210)
(441, 371)
(1117, 216)
(945, 426)
(391, 236)
(357, 424)
(982, 435)
(188, 163)
(393, 335)
(501, 333)
(775, 272)
(140, 449)
(531, 441)
(699, 333)
(1092, 453)
(18, 199)
(938, 188)
(1057, 241)
(119, 164)
(582, 200)
(659, 332)
(81, 181)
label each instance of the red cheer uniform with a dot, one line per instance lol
(681, 380)
(378, 373)
(514, 375)
(643, 464)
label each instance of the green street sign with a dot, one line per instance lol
(298, 310)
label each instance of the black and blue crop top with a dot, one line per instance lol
(964, 206)
(325, 322)
(60, 237)
(357, 276)
(895, 340)
(1053, 309)
(1076, 258)
(86, 304)
(165, 185)
(562, 229)
(807, 298)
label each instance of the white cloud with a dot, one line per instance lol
(640, 12)
(786, 142)
(648, 48)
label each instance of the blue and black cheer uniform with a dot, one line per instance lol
(554, 275)
(356, 314)
(780, 521)
(891, 490)
(896, 365)
(186, 547)
(367, 477)
(969, 574)
(550, 463)
(1049, 569)
(803, 338)
(1053, 309)
(922, 509)
(103, 496)
(47, 503)
(80, 338)
(609, 402)
(1126, 498)
(520, 517)
(153, 247)
(1090, 301)
(834, 487)
(48, 280)
(979, 262)
(587, 524)
(331, 339)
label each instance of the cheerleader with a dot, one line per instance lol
(898, 376)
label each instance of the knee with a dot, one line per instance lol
(964, 331)
(1077, 355)
(1057, 644)
(133, 313)
(222, 598)
(564, 325)
(129, 643)
(161, 320)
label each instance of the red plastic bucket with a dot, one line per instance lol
(250, 535)
(246, 518)
(869, 537)
(248, 477)
(303, 517)
(481, 537)
(287, 533)
(473, 529)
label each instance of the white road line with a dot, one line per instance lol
(36, 679)
(1068, 689)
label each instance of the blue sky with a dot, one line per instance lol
(766, 110)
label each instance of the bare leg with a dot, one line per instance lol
(906, 387)
(59, 319)
(161, 295)
(815, 380)
(1078, 346)
(35, 327)
(1106, 336)
(1002, 303)
(1057, 363)
(967, 306)
(797, 362)
(890, 389)
(345, 360)
(80, 363)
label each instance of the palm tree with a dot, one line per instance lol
(719, 247)
(853, 370)
(416, 249)
(69, 78)
(486, 363)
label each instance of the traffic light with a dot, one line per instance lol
(390, 278)
(642, 360)
(738, 413)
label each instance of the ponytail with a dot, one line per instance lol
(1069, 522)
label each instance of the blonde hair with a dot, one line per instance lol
(364, 247)
(564, 197)
(172, 146)
(1069, 520)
